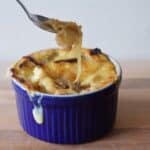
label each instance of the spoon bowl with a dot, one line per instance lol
(38, 20)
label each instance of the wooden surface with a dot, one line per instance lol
(132, 128)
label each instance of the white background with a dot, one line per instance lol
(120, 27)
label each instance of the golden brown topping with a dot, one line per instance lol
(57, 77)
(72, 60)
(29, 58)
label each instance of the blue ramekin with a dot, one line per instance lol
(70, 119)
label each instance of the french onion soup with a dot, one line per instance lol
(70, 69)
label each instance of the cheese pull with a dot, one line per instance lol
(68, 36)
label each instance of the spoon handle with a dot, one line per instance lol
(25, 9)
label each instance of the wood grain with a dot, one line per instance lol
(131, 131)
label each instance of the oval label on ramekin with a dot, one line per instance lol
(37, 110)
(37, 113)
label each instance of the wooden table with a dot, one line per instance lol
(132, 128)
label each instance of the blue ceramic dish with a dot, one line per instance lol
(70, 119)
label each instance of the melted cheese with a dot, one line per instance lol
(68, 36)
(64, 71)
(58, 77)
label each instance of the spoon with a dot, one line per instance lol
(38, 20)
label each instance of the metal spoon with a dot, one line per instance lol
(38, 20)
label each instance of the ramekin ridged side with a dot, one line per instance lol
(70, 119)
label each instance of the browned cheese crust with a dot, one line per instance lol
(47, 71)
